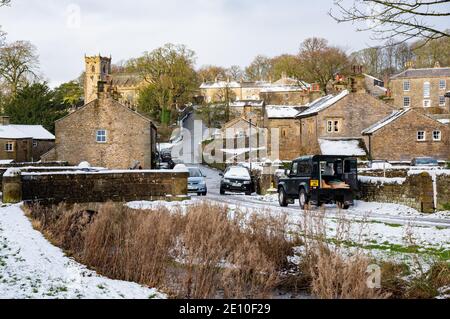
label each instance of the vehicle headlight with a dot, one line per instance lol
(247, 182)
(226, 180)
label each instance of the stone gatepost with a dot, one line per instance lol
(12, 186)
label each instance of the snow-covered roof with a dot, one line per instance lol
(444, 121)
(395, 115)
(372, 77)
(322, 103)
(299, 86)
(220, 85)
(275, 111)
(37, 132)
(345, 147)
(254, 103)
(8, 131)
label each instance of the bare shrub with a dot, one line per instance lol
(335, 272)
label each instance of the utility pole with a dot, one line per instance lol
(250, 145)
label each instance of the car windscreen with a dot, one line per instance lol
(195, 172)
(237, 172)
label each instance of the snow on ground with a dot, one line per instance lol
(155, 205)
(30, 267)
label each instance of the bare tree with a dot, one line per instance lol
(235, 73)
(399, 19)
(2, 34)
(18, 64)
(321, 62)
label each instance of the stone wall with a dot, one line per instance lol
(443, 192)
(117, 186)
(415, 192)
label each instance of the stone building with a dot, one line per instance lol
(422, 89)
(24, 143)
(339, 120)
(406, 134)
(105, 133)
(284, 91)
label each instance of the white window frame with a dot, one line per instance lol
(409, 101)
(101, 138)
(406, 86)
(424, 136)
(9, 149)
(426, 90)
(444, 86)
(442, 98)
(35, 143)
(333, 126)
(427, 103)
(439, 138)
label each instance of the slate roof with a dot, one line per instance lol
(421, 73)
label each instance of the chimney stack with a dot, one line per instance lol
(4, 120)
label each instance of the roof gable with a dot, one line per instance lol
(394, 117)
(94, 102)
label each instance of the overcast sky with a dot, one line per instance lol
(222, 32)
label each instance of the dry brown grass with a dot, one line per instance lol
(334, 273)
(204, 253)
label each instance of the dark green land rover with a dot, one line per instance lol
(320, 180)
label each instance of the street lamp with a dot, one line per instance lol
(250, 139)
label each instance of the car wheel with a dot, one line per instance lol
(303, 199)
(282, 198)
(222, 191)
(205, 193)
(342, 205)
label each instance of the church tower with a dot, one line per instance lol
(98, 71)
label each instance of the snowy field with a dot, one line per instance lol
(31, 267)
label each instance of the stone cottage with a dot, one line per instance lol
(339, 119)
(24, 143)
(106, 133)
(406, 134)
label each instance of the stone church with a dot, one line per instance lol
(123, 86)
(106, 131)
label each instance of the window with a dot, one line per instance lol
(442, 101)
(437, 136)
(9, 147)
(406, 101)
(294, 169)
(426, 103)
(101, 136)
(333, 126)
(442, 85)
(421, 136)
(304, 169)
(426, 89)
(406, 86)
(35, 144)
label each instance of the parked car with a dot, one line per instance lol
(197, 182)
(236, 179)
(320, 180)
(380, 164)
(425, 161)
